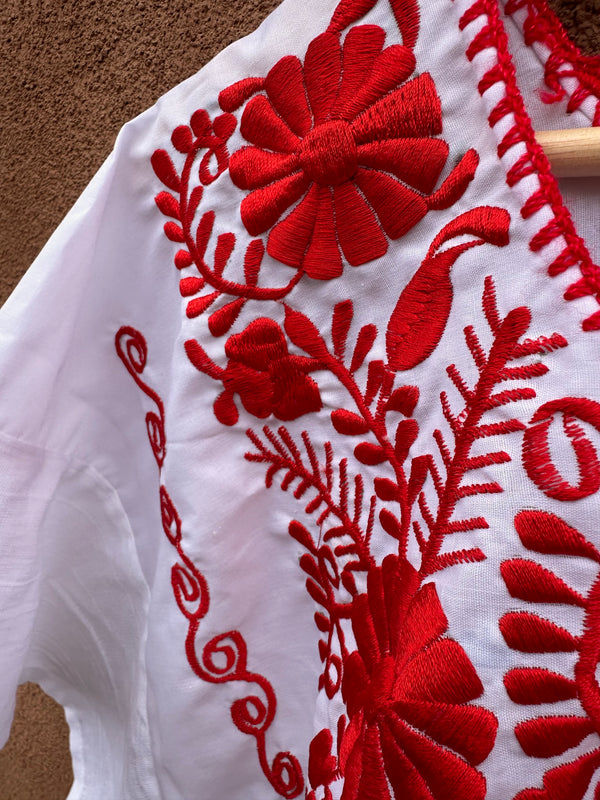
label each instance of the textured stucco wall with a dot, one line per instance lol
(73, 72)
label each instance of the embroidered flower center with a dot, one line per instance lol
(328, 153)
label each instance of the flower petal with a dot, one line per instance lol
(360, 237)
(391, 68)
(322, 68)
(373, 783)
(468, 730)
(261, 126)
(544, 737)
(364, 632)
(447, 775)
(362, 45)
(412, 110)
(423, 624)
(290, 238)
(397, 207)
(323, 260)
(285, 88)
(294, 394)
(441, 673)
(400, 771)
(252, 168)
(261, 343)
(417, 162)
(262, 208)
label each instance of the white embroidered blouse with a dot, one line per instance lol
(300, 422)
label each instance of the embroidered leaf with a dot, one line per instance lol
(200, 123)
(190, 286)
(370, 454)
(182, 139)
(165, 170)
(322, 622)
(543, 532)
(529, 581)
(534, 686)
(174, 232)
(348, 423)
(309, 565)
(375, 376)
(529, 633)
(545, 737)
(298, 532)
(390, 524)
(199, 305)
(304, 334)
(221, 320)
(406, 434)
(167, 205)
(386, 489)
(418, 475)
(253, 261)
(224, 125)
(404, 399)
(364, 343)
(223, 251)
(182, 259)
(342, 319)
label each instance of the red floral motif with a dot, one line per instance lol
(265, 376)
(345, 132)
(548, 735)
(405, 689)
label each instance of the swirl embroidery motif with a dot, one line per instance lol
(332, 136)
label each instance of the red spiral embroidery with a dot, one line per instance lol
(224, 658)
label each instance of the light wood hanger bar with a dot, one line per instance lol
(572, 153)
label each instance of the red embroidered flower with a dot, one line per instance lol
(266, 377)
(343, 134)
(410, 734)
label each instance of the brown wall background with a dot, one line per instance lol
(74, 71)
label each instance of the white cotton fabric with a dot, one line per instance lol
(86, 602)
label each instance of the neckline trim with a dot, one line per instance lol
(533, 161)
(564, 59)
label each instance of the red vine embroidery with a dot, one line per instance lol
(331, 132)
(533, 161)
(548, 736)
(565, 60)
(224, 657)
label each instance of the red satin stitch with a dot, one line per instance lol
(550, 735)
(330, 133)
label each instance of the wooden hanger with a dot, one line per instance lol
(572, 153)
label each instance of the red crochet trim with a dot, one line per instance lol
(224, 657)
(549, 736)
(565, 59)
(533, 162)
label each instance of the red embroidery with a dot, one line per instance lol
(322, 134)
(333, 131)
(224, 658)
(575, 252)
(549, 736)
(260, 370)
(537, 458)
(405, 688)
(565, 60)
